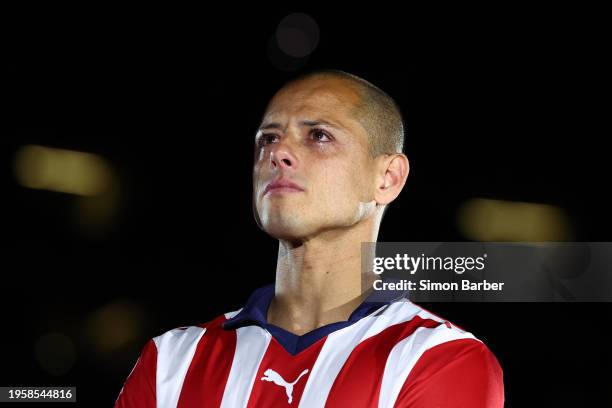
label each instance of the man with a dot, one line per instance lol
(328, 161)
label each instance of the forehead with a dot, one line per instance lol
(331, 97)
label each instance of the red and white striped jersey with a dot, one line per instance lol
(387, 354)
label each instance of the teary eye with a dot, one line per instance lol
(265, 139)
(320, 136)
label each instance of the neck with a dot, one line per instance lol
(320, 280)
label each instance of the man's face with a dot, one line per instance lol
(309, 137)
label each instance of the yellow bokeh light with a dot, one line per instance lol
(61, 170)
(482, 219)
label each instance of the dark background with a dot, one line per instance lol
(507, 107)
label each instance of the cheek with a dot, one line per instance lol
(341, 187)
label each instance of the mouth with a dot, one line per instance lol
(282, 186)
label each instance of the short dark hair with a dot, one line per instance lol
(377, 112)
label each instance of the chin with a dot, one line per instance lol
(285, 228)
(284, 232)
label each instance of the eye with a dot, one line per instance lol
(320, 136)
(265, 139)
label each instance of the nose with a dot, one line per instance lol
(282, 158)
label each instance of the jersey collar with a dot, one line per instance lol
(256, 310)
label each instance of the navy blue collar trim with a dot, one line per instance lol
(255, 312)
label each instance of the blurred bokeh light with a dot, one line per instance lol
(55, 352)
(115, 325)
(61, 170)
(481, 219)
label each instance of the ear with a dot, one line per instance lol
(392, 172)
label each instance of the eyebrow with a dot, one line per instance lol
(311, 123)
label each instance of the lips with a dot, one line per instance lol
(282, 185)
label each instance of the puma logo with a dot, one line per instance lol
(271, 375)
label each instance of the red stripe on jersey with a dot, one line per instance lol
(209, 368)
(458, 373)
(361, 376)
(287, 377)
(139, 389)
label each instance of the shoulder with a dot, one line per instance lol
(185, 336)
(421, 327)
(429, 340)
(163, 363)
(433, 332)
(442, 362)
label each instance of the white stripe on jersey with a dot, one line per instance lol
(406, 353)
(339, 345)
(229, 315)
(175, 350)
(251, 345)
